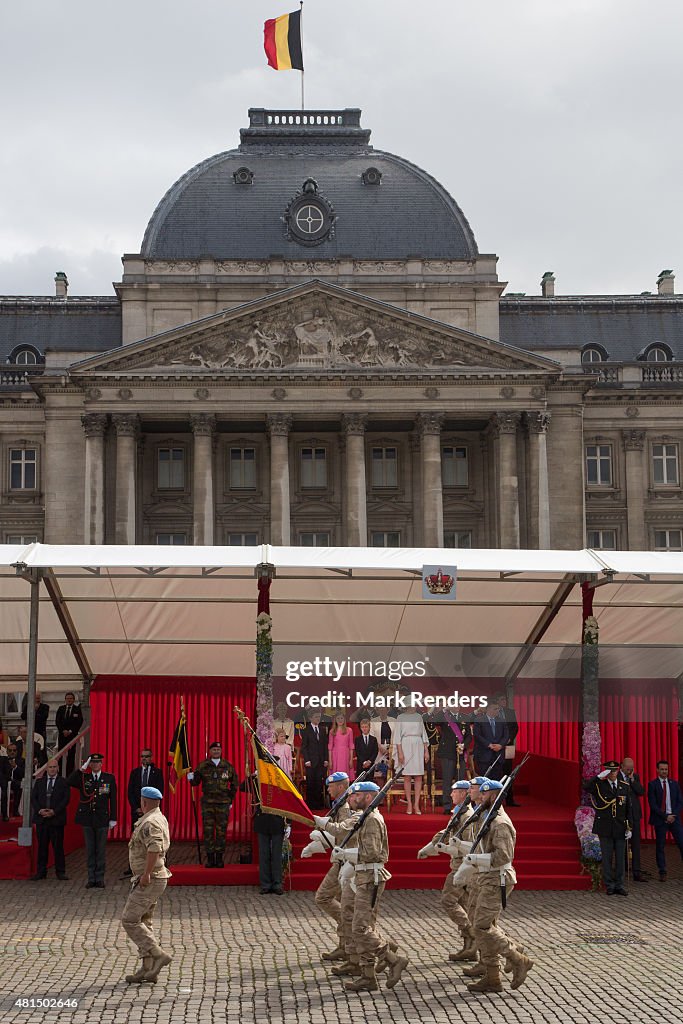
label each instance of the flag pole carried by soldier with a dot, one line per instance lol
(219, 784)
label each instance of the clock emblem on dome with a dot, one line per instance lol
(309, 218)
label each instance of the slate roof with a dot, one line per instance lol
(207, 214)
(622, 325)
(90, 324)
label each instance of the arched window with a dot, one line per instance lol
(25, 355)
(592, 354)
(658, 354)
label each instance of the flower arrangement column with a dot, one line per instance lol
(264, 659)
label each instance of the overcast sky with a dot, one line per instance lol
(555, 124)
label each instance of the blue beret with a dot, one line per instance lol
(365, 787)
(478, 780)
(150, 793)
(461, 784)
(490, 784)
(336, 777)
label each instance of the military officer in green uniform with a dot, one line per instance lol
(219, 786)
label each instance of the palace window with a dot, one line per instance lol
(384, 468)
(21, 538)
(242, 469)
(170, 469)
(668, 540)
(385, 539)
(315, 539)
(22, 469)
(592, 354)
(242, 540)
(602, 540)
(25, 357)
(457, 539)
(665, 463)
(173, 539)
(599, 464)
(658, 354)
(454, 471)
(314, 467)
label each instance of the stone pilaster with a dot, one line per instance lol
(353, 425)
(539, 508)
(634, 443)
(279, 425)
(94, 426)
(504, 434)
(203, 427)
(127, 428)
(429, 429)
(566, 482)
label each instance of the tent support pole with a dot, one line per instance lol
(26, 831)
(537, 633)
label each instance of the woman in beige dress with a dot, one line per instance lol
(412, 748)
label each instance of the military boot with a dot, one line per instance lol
(140, 974)
(367, 982)
(349, 968)
(521, 965)
(210, 858)
(490, 982)
(396, 967)
(159, 959)
(334, 954)
(508, 961)
(468, 951)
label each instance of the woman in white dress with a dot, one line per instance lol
(412, 747)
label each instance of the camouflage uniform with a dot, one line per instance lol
(329, 893)
(339, 830)
(455, 899)
(219, 786)
(150, 835)
(490, 937)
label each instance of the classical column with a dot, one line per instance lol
(279, 426)
(566, 485)
(539, 502)
(203, 427)
(634, 442)
(429, 429)
(504, 432)
(94, 425)
(127, 427)
(353, 425)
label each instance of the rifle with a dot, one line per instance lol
(466, 803)
(371, 806)
(343, 797)
(492, 811)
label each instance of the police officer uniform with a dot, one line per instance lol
(219, 785)
(150, 836)
(612, 803)
(96, 813)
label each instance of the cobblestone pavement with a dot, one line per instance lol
(239, 956)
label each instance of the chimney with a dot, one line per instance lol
(665, 282)
(548, 285)
(61, 284)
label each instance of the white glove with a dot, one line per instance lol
(603, 775)
(463, 846)
(84, 766)
(288, 831)
(464, 873)
(320, 822)
(112, 824)
(481, 861)
(628, 835)
(325, 838)
(190, 776)
(350, 856)
(427, 851)
(312, 848)
(347, 872)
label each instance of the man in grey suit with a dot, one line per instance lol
(632, 780)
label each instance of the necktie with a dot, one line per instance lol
(145, 776)
(68, 712)
(366, 741)
(664, 795)
(316, 732)
(48, 798)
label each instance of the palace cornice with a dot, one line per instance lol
(329, 379)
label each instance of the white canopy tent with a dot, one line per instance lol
(143, 610)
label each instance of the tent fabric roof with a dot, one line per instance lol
(150, 610)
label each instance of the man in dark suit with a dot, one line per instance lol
(69, 721)
(611, 799)
(49, 801)
(666, 803)
(490, 739)
(147, 774)
(42, 712)
(455, 736)
(39, 754)
(11, 778)
(314, 755)
(508, 716)
(365, 747)
(96, 813)
(632, 780)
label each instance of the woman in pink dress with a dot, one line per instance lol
(283, 751)
(341, 746)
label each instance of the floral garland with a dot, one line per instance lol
(591, 758)
(591, 854)
(264, 680)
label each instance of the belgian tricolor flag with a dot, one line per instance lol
(277, 792)
(282, 42)
(178, 750)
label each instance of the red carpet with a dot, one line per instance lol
(547, 854)
(18, 862)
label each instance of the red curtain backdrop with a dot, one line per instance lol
(639, 719)
(548, 714)
(130, 713)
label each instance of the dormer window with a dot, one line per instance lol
(372, 176)
(593, 354)
(25, 355)
(658, 354)
(243, 176)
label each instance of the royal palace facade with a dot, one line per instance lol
(310, 349)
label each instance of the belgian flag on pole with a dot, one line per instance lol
(277, 792)
(178, 751)
(282, 42)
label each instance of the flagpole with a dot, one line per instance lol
(192, 788)
(301, 4)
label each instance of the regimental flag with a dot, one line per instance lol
(282, 42)
(178, 751)
(278, 794)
